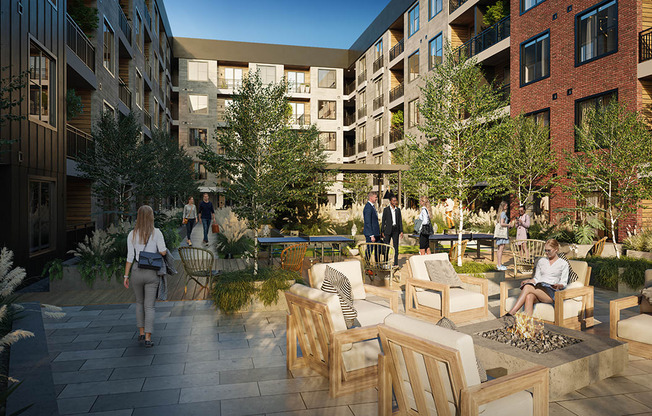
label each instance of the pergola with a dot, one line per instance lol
(378, 170)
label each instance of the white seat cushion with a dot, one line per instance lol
(351, 269)
(330, 299)
(637, 328)
(418, 264)
(546, 311)
(362, 354)
(517, 404)
(370, 313)
(460, 299)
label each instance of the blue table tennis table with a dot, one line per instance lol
(481, 239)
(320, 240)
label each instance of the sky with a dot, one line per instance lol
(328, 24)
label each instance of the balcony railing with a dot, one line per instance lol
(125, 93)
(124, 24)
(229, 83)
(455, 4)
(504, 92)
(349, 118)
(146, 16)
(484, 40)
(294, 87)
(395, 135)
(79, 43)
(362, 146)
(396, 92)
(362, 77)
(349, 88)
(378, 140)
(396, 50)
(379, 63)
(77, 142)
(300, 119)
(349, 150)
(379, 101)
(362, 112)
(147, 119)
(645, 45)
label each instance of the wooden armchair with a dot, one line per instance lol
(433, 370)
(198, 265)
(636, 330)
(452, 253)
(377, 259)
(431, 300)
(573, 306)
(534, 250)
(347, 357)
(292, 257)
(597, 248)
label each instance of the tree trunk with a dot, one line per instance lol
(459, 237)
(613, 232)
(256, 250)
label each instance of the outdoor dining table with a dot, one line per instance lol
(320, 240)
(481, 239)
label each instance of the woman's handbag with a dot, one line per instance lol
(500, 231)
(149, 261)
(185, 221)
(215, 227)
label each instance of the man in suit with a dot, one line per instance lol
(371, 230)
(392, 227)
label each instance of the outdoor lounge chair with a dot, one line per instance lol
(521, 261)
(637, 330)
(432, 301)
(597, 248)
(573, 306)
(452, 253)
(377, 259)
(292, 257)
(433, 370)
(198, 265)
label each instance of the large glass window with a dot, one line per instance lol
(197, 71)
(535, 59)
(297, 81)
(200, 170)
(232, 78)
(378, 49)
(528, 4)
(434, 7)
(299, 114)
(267, 74)
(197, 136)
(326, 110)
(326, 78)
(108, 45)
(541, 117)
(42, 86)
(413, 66)
(413, 20)
(138, 29)
(595, 102)
(597, 32)
(329, 139)
(198, 103)
(139, 90)
(41, 215)
(413, 113)
(435, 51)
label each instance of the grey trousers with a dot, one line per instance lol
(145, 284)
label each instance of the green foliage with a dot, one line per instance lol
(53, 269)
(74, 106)
(236, 247)
(274, 280)
(357, 185)
(86, 17)
(97, 258)
(587, 231)
(9, 100)
(472, 267)
(172, 236)
(640, 241)
(605, 273)
(495, 13)
(397, 119)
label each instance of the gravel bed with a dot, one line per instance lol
(544, 342)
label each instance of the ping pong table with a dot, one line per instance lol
(481, 239)
(320, 240)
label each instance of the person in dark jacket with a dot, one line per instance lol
(371, 229)
(392, 226)
(207, 215)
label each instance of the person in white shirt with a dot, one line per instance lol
(450, 206)
(392, 225)
(550, 275)
(424, 233)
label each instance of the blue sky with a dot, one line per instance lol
(329, 24)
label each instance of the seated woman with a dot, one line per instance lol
(550, 275)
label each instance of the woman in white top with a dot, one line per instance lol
(190, 215)
(424, 216)
(550, 275)
(144, 237)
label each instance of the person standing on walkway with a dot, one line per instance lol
(207, 215)
(144, 282)
(371, 228)
(426, 226)
(522, 225)
(450, 206)
(190, 217)
(501, 234)
(392, 227)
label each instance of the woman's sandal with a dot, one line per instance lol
(148, 344)
(141, 338)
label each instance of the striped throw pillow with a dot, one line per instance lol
(572, 276)
(336, 282)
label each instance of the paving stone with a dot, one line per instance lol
(147, 371)
(316, 399)
(186, 357)
(68, 377)
(324, 411)
(97, 388)
(270, 361)
(106, 307)
(181, 381)
(217, 345)
(135, 400)
(76, 346)
(117, 362)
(644, 380)
(124, 343)
(254, 374)
(250, 352)
(266, 342)
(129, 334)
(555, 409)
(262, 405)
(79, 331)
(630, 370)
(113, 321)
(230, 336)
(219, 392)
(72, 308)
(645, 365)
(67, 325)
(99, 318)
(158, 349)
(610, 386)
(207, 330)
(643, 397)
(180, 332)
(218, 365)
(61, 339)
(211, 408)
(123, 412)
(90, 354)
(183, 339)
(605, 406)
(364, 409)
(67, 365)
(75, 405)
(296, 385)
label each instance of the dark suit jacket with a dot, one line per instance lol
(370, 221)
(387, 221)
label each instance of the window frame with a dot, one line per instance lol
(52, 81)
(578, 17)
(139, 90)
(190, 103)
(439, 36)
(613, 91)
(521, 47)
(411, 118)
(259, 68)
(430, 3)
(197, 170)
(522, 11)
(113, 49)
(333, 135)
(334, 109)
(197, 61)
(410, 79)
(537, 112)
(52, 182)
(195, 141)
(411, 20)
(139, 35)
(319, 79)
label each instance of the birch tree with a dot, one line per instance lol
(613, 160)
(463, 120)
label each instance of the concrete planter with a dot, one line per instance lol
(639, 254)
(72, 281)
(624, 289)
(493, 280)
(256, 305)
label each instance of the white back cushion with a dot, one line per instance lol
(418, 265)
(330, 299)
(351, 269)
(580, 267)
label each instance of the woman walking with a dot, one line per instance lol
(501, 234)
(426, 226)
(522, 225)
(144, 237)
(190, 218)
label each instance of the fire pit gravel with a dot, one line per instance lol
(545, 341)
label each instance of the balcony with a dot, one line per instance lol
(396, 50)
(395, 135)
(454, 5)
(645, 45)
(125, 93)
(378, 140)
(79, 43)
(396, 93)
(362, 146)
(349, 88)
(362, 77)
(300, 119)
(146, 16)
(362, 112)
(229, 83)
(147, 119)
(77, 142)
(379, 63)
(349, 118)
(483, 41)
(379, 101)
(349, 150)
(504, 93)
(294, 87)
(148, 68)
(124, 24)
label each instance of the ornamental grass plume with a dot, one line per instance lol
(99, 245)
(10, 279)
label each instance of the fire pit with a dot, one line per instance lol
(572, 367)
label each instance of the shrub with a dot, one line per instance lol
(97, 257)
(639, 240)
(472, 267)
(605, 274)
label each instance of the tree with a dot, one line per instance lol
(357, 184)
(85, 16)
(528, 160)
(463, 123)
(9, 100)
(613, 160)
(265, 163)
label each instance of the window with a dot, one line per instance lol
(138, 29)
(528, 4)
(326, 110)
(139, 89)
(434, 7)
(232, 78)
(541, 117)
(596, 102)
(198, 104)
(197, 136)
(296, 81)
(197, 71)
(535, 59)
(413, 66)
(413, 113)
(597, 32)
(200, 170)
(42, 86)
(326, 78)
(363, 65)
(108, 45)
(108, 108)
(435, 51)
(378, 49)
(298, 113)
(329, 139)
(41, 215)
(378, 126)
(413, 20)
(362, 137)
(267, 74)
